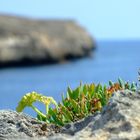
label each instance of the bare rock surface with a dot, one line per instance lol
(15, 125)
(24, 40)
(119, 120)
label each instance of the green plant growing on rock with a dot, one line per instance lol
(78, 103)
(28, 100)
(139, 79)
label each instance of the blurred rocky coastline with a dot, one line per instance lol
(26, 41)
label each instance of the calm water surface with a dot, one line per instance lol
(110, 61)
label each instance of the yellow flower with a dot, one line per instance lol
(30, 98)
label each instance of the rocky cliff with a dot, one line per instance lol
(119, 120)
(24, 40)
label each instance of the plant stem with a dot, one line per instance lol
(38, 111)
(47, 108)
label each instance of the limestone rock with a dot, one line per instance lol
(24, 40)
(119, 120)
(15, 125)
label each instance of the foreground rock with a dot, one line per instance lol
(15, 125)
(40, 41)
(120, 120)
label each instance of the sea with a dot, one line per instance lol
(109, 61)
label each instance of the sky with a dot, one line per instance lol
(104, 19)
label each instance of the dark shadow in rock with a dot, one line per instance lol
(34, 63)
(72, 128)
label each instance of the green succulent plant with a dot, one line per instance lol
(139, 79)
(78, 103)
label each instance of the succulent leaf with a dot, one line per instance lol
(122, 83)
(78, 103)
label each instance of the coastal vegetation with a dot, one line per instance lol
(86, 99)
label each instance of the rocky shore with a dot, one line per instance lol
(31, 41)
(119, 120)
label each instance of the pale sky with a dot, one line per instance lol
(104, 19)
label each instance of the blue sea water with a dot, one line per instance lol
(111, 59)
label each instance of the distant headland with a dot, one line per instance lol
(25, 41)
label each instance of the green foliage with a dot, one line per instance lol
(139, 79)
(78, 103)
(28, 100)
